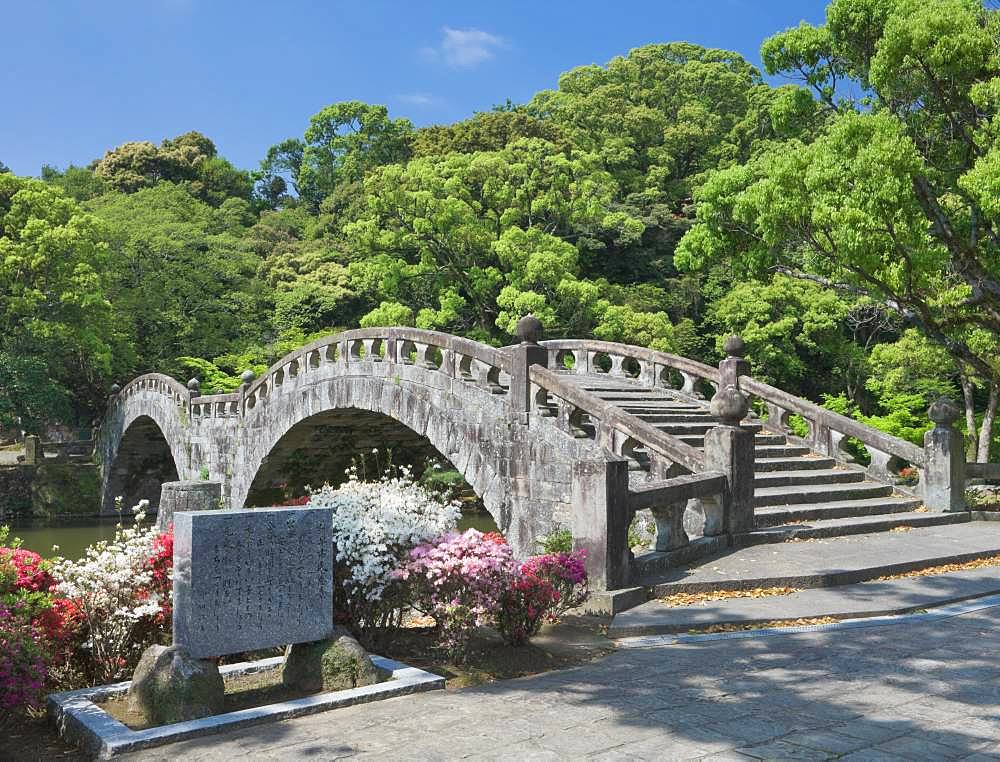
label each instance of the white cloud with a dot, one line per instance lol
(464, 48)
(418, 99)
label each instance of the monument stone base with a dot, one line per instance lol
(335, 664)
(170, 685)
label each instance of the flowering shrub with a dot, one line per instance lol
(112, 589)
(161, 567)
(36, 628)
(459, 580)
(23, 671)
(375, 524)
(523, 606)
(567, 575)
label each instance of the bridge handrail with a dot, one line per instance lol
(484, 353)
(819, 417)
(692, 368)
(781, 402)
(142, 381)
(613, 418)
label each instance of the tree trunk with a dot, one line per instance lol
(970, 418)
(986, 430)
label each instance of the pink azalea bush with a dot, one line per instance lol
(36, 627)
(470, 579)
(459, 580)
(545, 587)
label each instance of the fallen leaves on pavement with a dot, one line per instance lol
(734, 627)
(691, 599)
(977, 563)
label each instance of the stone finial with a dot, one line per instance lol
(115, 388)
(247, 377)
(729, 406)
(194, 386)
(529, 329)
(734, 346)
(943, 412)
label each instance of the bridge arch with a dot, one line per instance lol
(143, 442)
(359, 400)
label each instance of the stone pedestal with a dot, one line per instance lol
(186, 496)
(169, 685)
(601, 518)
(944, 464)
(729, 449)
(335, 664)
(529, 352)
(33, 454)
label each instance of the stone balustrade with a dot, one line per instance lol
(648, 366)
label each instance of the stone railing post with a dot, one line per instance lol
(729, 448)
(246, 378)
(734, 365)
(944, 459)
(601, 519)
(33, 453)
(529, 352)
(194, 389)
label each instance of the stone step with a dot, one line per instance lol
(667, 407)
(778, 450)
(685, 417)
(834, 561)
(819, 493)
(762, 440)
(792, 464)
(847, 526)
(782, 514)
(807, 476)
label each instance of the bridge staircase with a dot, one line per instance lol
(798, 492)
(813, 514)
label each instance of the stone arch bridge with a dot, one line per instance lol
(565, 433)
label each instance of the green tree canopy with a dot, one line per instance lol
(189, 159)
(470, 242)
(343, 142)
(896, 198)
(55, 318)
(183, 278)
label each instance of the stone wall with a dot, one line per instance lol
(48, 491)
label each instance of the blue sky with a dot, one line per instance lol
(81, 76)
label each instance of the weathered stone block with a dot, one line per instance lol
(251, 579)
(335, 664)
(186, 496)
(170, 685)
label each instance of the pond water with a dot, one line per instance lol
(73, 538)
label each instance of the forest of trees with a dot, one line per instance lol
(845, 223)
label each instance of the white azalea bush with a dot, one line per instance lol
(375, 525)
(111, 588)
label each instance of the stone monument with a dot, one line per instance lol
(243, 580)
(251, 579)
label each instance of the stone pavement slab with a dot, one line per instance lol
(834, 561)
(894, 596)
(926, 690)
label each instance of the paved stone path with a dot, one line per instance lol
(921, 691)
(863, 599)
(837, 561)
